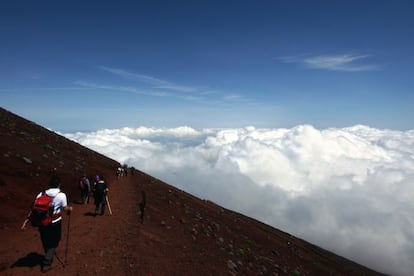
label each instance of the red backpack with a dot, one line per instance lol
(42, 211)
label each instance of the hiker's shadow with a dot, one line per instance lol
(89, 214)
(30, 260)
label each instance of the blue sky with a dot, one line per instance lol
(84, 65)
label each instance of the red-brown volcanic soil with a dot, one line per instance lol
(180, 235)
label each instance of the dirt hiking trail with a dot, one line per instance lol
(177, 238)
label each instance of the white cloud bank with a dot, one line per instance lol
(349, 190)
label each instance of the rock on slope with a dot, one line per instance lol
(180, 235)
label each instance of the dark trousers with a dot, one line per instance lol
(100, 203)
(50, 236)
(85, 196)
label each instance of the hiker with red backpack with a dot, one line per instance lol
(46, 214)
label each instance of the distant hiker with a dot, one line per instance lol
(125, 168)
(100, 189)
(85, 188)
(119, 172)
(142, 206)
(49, 219)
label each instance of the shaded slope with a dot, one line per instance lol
(181, 234)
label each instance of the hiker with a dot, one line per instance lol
(100, 190)
(50, 234)
(125, 168)
(85, 188)
(119, 172)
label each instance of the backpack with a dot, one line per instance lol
(42, 211)
(99, 190)
(82, 185)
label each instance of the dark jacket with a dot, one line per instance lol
(100, 190)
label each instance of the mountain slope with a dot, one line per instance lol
(180, 235)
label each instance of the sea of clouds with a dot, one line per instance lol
(348, 190)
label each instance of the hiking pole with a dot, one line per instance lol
(87, 197)
(26, 221)
(60, 261)
(109, 206)
(67, 243)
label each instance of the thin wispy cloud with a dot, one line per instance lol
(122, 89)
(178, 88)
(185, 92)
(129, 89)
(234, 98)
(342, 63)
(154, 82)
(193, 98)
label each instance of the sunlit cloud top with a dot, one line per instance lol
(348, 190)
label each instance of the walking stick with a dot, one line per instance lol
(26, 221)
(60, 261)
(109, 206)
(67, 243)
